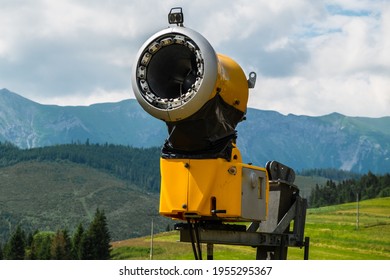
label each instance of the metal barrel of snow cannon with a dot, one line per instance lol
(202, 96)
(177, 71)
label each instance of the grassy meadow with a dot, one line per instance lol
(332, 230)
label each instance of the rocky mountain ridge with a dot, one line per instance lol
(356, 144)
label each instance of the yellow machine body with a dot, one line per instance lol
(213, 189)
(233, 83)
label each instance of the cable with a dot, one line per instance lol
(191, 231)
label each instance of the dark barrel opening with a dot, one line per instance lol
(172, 71)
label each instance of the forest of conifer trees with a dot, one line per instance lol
(365, 187)
(138, 165)
(92, 243)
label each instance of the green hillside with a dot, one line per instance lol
(332, 231)
(56, 195)
(334, 234)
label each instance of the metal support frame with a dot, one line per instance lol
(270, 245)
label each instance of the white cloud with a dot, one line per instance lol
(347, 71)
(97, 95)
(312, 57)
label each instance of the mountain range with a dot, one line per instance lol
(357, 144)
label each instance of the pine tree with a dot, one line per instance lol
(86, 247)
(96, 241)
(76, 243)
(15, 249)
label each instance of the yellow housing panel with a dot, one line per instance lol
(233, 83)
(174, 179)
(213, 188)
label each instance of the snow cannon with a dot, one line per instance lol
(178, 78)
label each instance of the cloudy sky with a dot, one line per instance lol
(311, 57)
